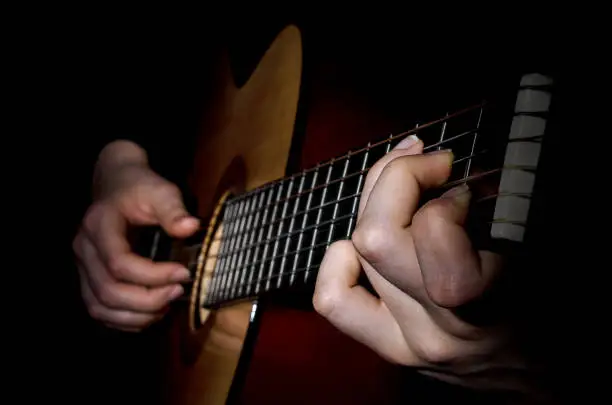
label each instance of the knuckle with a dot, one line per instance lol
(116, 267)
(326, 301)
(435, 350)
(92, 217)
(155, 302)
(371, 241)
(428, 222)
(446, 293)
(95, 311)
(170, 189)
(340, 248)
(106, 295)
(77, 245)
(396, 163)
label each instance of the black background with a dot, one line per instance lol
(92, 78)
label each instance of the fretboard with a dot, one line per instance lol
(275, 236)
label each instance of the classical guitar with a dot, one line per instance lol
(270, 217)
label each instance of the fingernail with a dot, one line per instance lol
(180, 217)
(407, 142)
(176, 292)
(460, 194)
(181, 275)
(449, 152)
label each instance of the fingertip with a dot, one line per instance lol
(407, 142)
(446, 155)
(175, 292)
(189, 222)
(184, 226)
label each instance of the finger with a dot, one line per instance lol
(395, 195)
(410, 145)
(354, 311)
(118, 295)
(107, 231)
(116, 319)
(135, 269)
(429, 344)
(453, 272)
(380, 236)
(168, 208)
(106, 228)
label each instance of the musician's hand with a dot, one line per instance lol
(120, 288)
(423, 267)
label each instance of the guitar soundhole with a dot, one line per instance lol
(205, 267)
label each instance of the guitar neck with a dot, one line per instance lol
(274, 237)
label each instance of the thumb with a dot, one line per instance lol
(169, 210)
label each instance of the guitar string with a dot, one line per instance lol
(297, 271)
(359, 172)
(327, 184)
(283, 219)
(450, 184)
(196, 247)
(237, 271)
(341, 199)
(226, 276)
(293, 272)
(351, 153)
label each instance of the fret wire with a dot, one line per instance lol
(261, 242)
(298, 250)
(386, 145)
(259, 235)
(290, 231)
(318, 220)
(240, 254)
(280, 230)
(304, 222)
(442, 133)
(468, 166)
(382, 142)
(224, 247)
(349, 217)
(356, 196)
(312, 208)
(267, 246)
(298, 270)
(242, 220)
(232, 242)
(236, 242)
(309, 248)
(229, 211)
(253, 231)
(353, 215)
(364, 162)
(335, 213)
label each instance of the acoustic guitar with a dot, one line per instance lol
(274, 196)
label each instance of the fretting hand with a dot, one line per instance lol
(120, 288)
(422, 265)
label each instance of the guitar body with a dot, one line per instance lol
(298, 107)
(248, 140)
